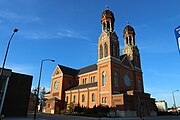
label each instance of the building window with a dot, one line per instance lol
(56, 85)
(66, 98)
(84, 81)
(116, 79)
(49, 105)
(83, 98)
(103, 78)
(108, 26)
(114, 50)
(104, 25)
(101, 51)
(130, 40)
(93, 97)
(93, 79)
(74, 99)
(126, 40)
(104, 100)
(127, 80)
(106, 49)
(139, 85)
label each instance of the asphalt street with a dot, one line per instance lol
(71, 117)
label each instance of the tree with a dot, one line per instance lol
(71, 107)
(42, 92)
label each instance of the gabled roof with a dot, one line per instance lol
(87, 69)
(89, 85)
(122, 57)
(68, 70)
(75, 72)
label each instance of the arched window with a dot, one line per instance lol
(126, 40)
(114, 50)
(93, 79)
(106, 49)
(83, 98)
(116, 79)
(108, 26)
(74, 100)
(101, 51)
(130, 40)
(104, 25)
(103, 78)
(93, 97)
(139, 85)
(83, 81)
(66, 99)
(104, 100)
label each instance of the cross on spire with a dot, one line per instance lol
(107, 7)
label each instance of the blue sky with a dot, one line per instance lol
(68, 31)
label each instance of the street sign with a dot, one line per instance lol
(177, 34)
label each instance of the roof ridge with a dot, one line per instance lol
(87, 66)
(67, 67)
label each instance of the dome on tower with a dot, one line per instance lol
(129, 29)
(107, 14)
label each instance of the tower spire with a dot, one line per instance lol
(128, 23)
(107, 7)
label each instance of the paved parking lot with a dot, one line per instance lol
(70, 117)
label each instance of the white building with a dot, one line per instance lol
(161, 105)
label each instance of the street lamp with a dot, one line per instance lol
(2, 69)
(174, 98)
(15, 30)
(39, 85)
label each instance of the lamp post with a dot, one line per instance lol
(2, 69)
(174, 98)
(36, 105)
(15, 30)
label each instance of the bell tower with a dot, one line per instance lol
(131, 48)
(108, 51)
(108, 44)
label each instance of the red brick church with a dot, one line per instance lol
(115, 80)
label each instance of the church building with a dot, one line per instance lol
(115, 80)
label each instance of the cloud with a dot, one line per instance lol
(72, 34)
(37, 36)
(61, 34)
(14, 17)
(156, 47)
(177, 17)
(21, 68)
(155, 72)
